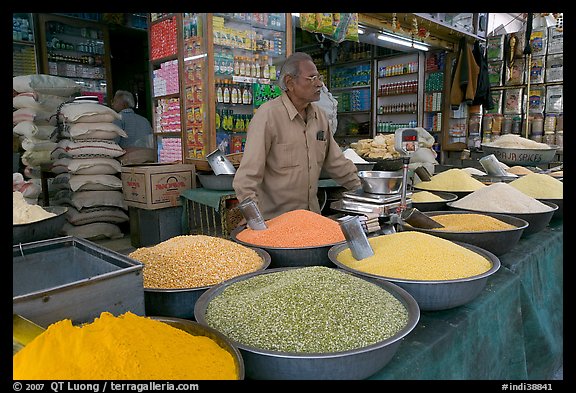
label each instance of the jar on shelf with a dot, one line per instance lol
(549, 138)
(474, 124)
(560, 122)
(487, 123)
(506, 125)
(497, 124)
(559, 141)
(537, 124)
(550, 122)
(516, 125)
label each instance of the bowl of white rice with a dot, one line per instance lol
(512, 149)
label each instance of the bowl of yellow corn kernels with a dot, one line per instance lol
(440, 274)
(497, 233)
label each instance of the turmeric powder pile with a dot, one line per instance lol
(124, 347)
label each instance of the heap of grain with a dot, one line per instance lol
(515, 141)
(192, 261)
(295, 229)
(426, 196)
(501, 198)
(313, 309)
(414, 255)
(24, 213)
(470, 222)
(539, 186)
(453, 179)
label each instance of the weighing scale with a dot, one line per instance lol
(384, 205)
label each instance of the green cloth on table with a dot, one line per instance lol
(206, 197)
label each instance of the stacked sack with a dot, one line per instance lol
(86, 166)
(35, 102)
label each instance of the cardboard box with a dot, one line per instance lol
(73, 278)
(156, 186)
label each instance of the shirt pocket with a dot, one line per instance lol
(286, 155)
(320, 151)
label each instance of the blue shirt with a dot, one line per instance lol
(137, 127)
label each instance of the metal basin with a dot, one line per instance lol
(536, 221)
(290, 256)
(350, 365)
(519, 156)
(381, 182)
(558, 202)
(179, 302)
(47, 228)
(434, 295)
(436, 205)
(196, 329)
(221, 182)
(497, 242)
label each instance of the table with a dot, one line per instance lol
(513, 330)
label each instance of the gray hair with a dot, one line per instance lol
(125, 96)
(292, 67)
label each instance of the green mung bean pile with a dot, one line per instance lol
(313, 309)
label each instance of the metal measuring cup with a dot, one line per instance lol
(252, 214)
(356, 237)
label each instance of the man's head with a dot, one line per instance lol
(122, 100)
(300, 79)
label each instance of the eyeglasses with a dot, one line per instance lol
(314, 78)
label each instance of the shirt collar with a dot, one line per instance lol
(292, 111)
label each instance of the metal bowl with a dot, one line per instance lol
(47, 228)
(290, 256)
(360, 166)
(197, 329)
(381, 182)
(536, 221)
(351, 365)
(558, 202)
(435, 205)
(497, 242)
(179, 302)
(221, 182)
(434, 295)
(523, 157)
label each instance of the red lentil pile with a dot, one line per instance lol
(297, 228)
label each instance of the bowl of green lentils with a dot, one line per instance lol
(310, 323)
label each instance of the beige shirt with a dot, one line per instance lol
(284, 155)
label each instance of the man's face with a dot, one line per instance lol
(307, 85)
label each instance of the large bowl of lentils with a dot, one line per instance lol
(310, 323)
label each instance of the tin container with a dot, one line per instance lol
(73, 278)
(220, 164)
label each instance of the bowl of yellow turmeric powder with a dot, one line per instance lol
(440, 274)
(497, 233)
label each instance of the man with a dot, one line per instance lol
(289, 141)
(137, 127)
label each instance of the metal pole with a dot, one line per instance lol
(527, 109)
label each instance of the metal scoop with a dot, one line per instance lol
(23, 332)
(356, 237)
(418, 219)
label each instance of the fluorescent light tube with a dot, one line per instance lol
(403, 42)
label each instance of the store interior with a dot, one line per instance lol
(392, 76)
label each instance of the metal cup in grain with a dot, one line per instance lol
(356, 237)
(492, 166)
(252, 214)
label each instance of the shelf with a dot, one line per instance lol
(396, 113)
(350, 87)
(392, 76)
(395, 95)
(353, 112)
(173, 95)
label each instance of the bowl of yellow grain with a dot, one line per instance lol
(440, 274)
(497, 233)
(432, 200)
(179, 270)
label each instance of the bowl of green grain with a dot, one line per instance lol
(310, 323)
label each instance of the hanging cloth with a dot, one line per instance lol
(464, 77)
(483, 91)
